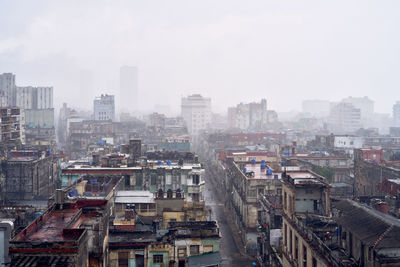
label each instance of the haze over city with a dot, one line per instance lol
(199, 133)
(228, 50)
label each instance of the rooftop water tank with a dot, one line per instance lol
(168, 162)
(244, 170)
(275, 176)
(253, 161)
(73, 193)
(262, 166)
(269, 171)
(159, 162)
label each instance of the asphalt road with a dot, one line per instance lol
(231, 252)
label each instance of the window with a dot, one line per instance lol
(152, 207)
(157, 258)
(296, 248)
(260, 191)
(182, 252)
(123, 259)
(194, 250)
(118, 207)
(252, 193)
(196, 179)
(139, 179)
(290, 241)
(143, 207)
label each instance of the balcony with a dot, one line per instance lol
(196, 189)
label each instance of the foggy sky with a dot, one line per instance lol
(231, 51)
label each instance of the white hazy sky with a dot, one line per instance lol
(231, 51)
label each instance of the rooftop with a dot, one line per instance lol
(374, 224)
(303, 178)
(116, 237)
(51, 230)
(59, 225)
(258, 173)
(150, 165)
(133, 197)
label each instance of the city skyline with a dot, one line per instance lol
(227, 50)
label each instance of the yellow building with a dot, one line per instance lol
(304, 194)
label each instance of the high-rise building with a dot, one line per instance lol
(396, 114)
(104, 108)
(30, 97)
(7, 90)
(128, 84)
(248, 116)
(196, 111)
(344, 118)
(37, 103)
(366, 107)
(11, 122)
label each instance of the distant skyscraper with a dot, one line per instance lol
(104, 108)
(366, 107)
(128, 84)
(30, 97)
(248, 116)
(396, 114)
(344, 118)
(7, 90)
(196, 111)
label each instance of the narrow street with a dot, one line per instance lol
(229, 249)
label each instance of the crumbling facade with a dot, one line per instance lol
(30, 174)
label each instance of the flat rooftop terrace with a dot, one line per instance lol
(261, 173)
(60, 225)
(52, 229)
(303, 177)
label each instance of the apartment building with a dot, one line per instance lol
(245, 181)
(304, 193)
(196, 111)
(104, 108)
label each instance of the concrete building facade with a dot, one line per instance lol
(196, 111)
(366, 107)
(30, 97)
(248, 116)
(7, 90)
(30, 175)
(104, 108)
(396, 114)
(303, 193)
(128, 85)
(344, 118)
